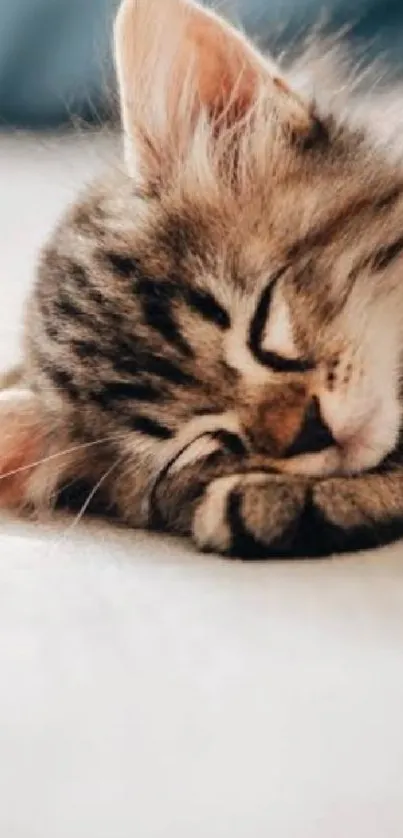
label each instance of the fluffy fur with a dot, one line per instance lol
(213, 344)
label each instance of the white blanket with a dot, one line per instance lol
(150, 692)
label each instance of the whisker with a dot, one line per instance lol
(59, 541)
(91, 496)
(59, 454)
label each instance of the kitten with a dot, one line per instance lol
(214, 340)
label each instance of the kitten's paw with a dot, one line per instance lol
(250, 516)
(356, 513)
(262, 515)
(344, 503)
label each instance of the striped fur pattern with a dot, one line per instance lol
(214, 340)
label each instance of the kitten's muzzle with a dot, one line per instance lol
(288, 424)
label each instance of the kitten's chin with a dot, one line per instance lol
(361, 457)
(371, 444)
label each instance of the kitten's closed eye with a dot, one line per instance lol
(270, 338)
(278, 363)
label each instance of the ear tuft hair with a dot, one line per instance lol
(186, 78)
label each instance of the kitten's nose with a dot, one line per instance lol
(314, 435)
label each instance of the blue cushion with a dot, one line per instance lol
(54, 59)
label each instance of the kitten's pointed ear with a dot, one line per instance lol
(176, 60)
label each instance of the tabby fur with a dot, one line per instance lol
(213, 345)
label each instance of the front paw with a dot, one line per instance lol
(263, 515)
(356, 513)
(251, 516)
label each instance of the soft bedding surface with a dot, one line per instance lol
(149, 692)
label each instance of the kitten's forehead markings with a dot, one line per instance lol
(239, 357)
(237, 354)
(278, 334)
(277, 337)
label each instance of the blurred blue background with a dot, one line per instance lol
(55, 60)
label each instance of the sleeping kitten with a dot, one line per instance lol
(214, 340)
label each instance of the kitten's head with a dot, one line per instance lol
(273, 232)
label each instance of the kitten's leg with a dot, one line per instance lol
(238, 506)
(360, 512)
(21, 444)
(252, 515)
(278, 515)
(34, 452)
(229, 503)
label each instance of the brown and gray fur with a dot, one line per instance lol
(214, 342)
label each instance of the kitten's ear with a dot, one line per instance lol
(176, 61)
